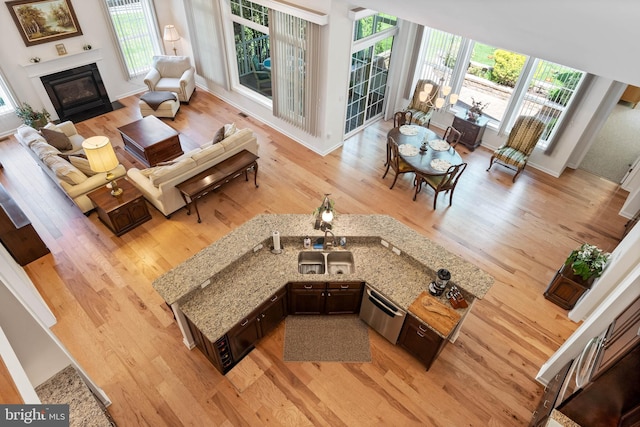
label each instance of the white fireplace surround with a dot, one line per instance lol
(72, 60)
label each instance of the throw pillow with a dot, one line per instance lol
(219, 135)
(229, 130)
(57, 139)
(82, 164)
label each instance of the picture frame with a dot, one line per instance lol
(61, 49)
(43, 21)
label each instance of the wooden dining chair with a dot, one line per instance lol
(446, 182)
(452, 136)
(402, 118)
(395, 161)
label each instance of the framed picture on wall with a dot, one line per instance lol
(61, 49)
(42, 21)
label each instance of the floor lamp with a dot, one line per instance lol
(171, 35)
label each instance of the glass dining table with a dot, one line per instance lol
(435, 160)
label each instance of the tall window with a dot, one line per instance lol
(251, 37)
(134, 24)
(510, 83)
(7, 103)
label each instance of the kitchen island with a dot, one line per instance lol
(220, 285)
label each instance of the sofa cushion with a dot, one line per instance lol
(28, 134)
(160, 174)
(218, 136)
(44, 150)
(82, 164)
(207, 154)
(238, 138)
(65, 170)
(56, 139)
(229, 130)
(171, 66)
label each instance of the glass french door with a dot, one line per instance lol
(367, 84)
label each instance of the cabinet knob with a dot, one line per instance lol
(275, 297)
(420, 334)
(328, 294)
(245, 322)
(308, 286)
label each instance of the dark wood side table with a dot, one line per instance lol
(151, 141)
(472, 132)
(120, 213)
(566, 288)
(16, 232)
(210, 179)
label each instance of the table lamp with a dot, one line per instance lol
(102, 158)
(171, 35)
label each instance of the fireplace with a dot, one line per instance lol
(77, 94)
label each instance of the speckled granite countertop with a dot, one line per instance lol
(68, 387)
(562, 419)
(242, 279)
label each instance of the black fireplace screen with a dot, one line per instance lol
(77, 94)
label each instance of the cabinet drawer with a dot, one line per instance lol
(345, 285)
(308, 285)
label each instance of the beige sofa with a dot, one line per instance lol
(158, 183)
(76, 180)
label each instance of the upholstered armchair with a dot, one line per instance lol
(523, 138)
(172, 74)
(422, 110)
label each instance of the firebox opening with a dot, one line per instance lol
(77, 94)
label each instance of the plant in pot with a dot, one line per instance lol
(475, 111)
(587, 262)
(31, 117)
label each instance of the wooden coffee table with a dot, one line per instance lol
(216, 176)
(120, 213)
(151, 141)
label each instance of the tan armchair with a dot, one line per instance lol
(522, 140)
(172, 74)
(422, 110)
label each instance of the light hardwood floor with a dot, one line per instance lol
(121, 332)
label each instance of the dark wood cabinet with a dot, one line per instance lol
(16, 232)
(419, 340)
(566, 288)
(548, 399)
(472, 132)
(325, 297)
(343, 297)
(218, 352)
(120, 213)
(244, 335)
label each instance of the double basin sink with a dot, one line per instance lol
(326, 262)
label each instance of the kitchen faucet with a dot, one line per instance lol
(333, 240)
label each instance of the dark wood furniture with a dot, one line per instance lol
(420, 341)
(548, 400)
(16, 232)
(120, 213)
(421, 162)
(228, 350)
(472, 132)
(325, 297)
(151, 141)
(566, 288)
(208, 180)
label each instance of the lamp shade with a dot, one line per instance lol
(100, 154)
(170, 33)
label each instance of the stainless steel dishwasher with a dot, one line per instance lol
(382, 315)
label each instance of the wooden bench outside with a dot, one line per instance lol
(216, 176)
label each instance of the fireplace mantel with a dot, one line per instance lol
(61, 63)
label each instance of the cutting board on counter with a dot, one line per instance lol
(437, 315)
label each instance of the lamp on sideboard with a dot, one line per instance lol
(102, 158)
(171, 35)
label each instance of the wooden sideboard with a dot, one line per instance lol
(16, 232)
(472, 132)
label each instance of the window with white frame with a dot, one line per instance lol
(135, 29)
(7, 103)
(508, 83)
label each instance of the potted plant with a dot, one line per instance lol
(587, 262)
(475, 111)
(31, 117)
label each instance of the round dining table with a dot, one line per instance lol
(421, 161)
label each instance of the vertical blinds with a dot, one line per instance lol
(135, 28)
(294, 59)
(440, 56)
